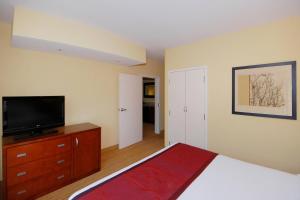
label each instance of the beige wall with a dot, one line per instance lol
(90, 87)
(270, 142)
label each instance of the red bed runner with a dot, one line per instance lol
(164, 176)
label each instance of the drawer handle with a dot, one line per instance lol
(60, 145)
(60, 177)
(21, 192)
(21, 174)
(60, 161)
(20, 155)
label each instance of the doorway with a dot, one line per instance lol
(151, 105)
(148, 106)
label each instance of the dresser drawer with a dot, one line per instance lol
(30, 189)
(25, 172)
(24, 154)
(57, 146)
(23, 191)
(56, 179)
(57, 163)
(22, 173)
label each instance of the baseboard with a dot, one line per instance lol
(114, 147)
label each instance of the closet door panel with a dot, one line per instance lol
(176, 107)
(195, 102)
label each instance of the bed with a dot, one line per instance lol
(198, 174)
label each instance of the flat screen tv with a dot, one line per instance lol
(32, 114)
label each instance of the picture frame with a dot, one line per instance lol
(149, 90)
(265, 90)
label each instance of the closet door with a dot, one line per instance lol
(176, 107)
(196, 108)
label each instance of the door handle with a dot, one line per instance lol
(77, 142)
(185, 109)
(122, 109)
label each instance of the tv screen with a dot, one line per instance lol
(24, 114)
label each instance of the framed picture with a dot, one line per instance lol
(267, 90)
(149, 90)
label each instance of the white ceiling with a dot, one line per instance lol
(159, 24)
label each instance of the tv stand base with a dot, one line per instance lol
(34, 134)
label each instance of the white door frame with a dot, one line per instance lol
(206, 98)
(157, 102)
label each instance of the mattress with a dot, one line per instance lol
(229, 179)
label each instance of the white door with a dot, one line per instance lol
(176, 107)
(196, 108)
(130, 109)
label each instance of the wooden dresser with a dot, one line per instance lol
(36, 166)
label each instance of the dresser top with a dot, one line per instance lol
(60, 131)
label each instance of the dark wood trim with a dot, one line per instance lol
(294, 90)
(1, 191)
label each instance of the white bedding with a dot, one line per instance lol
(230, 179)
